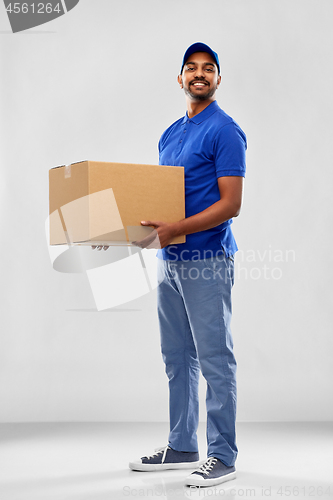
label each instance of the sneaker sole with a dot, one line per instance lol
(152, 467)
(200, 481)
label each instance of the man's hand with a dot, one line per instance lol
(162, 235)
(99, 247)
(228, 206)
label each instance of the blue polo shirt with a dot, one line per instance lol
(209, 145)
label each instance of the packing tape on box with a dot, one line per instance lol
(68, 171)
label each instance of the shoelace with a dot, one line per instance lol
(207, 466)
(163, 450)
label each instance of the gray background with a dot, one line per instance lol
(99, 83)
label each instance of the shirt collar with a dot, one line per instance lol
(206, 113)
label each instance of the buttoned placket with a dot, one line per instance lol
(183, 135)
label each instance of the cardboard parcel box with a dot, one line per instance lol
(103, 203)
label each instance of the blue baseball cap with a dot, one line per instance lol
(200, 47)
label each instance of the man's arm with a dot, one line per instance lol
(229, 205)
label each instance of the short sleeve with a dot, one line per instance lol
(229, 151)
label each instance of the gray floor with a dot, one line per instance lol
(83, 461)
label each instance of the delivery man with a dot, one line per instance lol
(196, 277)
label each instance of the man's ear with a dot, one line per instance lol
(180, 81)
(218, 81)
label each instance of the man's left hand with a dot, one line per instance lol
(160, 237)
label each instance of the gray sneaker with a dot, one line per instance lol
(167, 458)
(212, 472)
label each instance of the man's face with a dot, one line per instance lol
(200, 77)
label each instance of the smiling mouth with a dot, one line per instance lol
(199, 84)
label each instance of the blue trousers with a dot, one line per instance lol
(194, 310)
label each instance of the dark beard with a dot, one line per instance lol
(200, 97)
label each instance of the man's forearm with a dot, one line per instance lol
(214, 215)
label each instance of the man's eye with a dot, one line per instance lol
(209, 69)
(190, 69)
